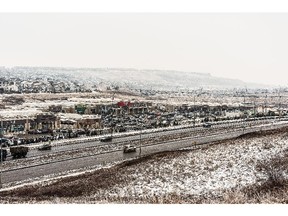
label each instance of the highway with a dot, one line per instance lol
(121, 140)
(59, 166)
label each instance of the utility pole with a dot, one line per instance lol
(112, 125)
(194, 117)
(254, 106)
(279, 105)
(140, 149)
(265, 106)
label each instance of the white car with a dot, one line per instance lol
(129, 148)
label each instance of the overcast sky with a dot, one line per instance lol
(250, 47)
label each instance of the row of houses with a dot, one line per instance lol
(47, 122)
(141, 107)
(126, 114)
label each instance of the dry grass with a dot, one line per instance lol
(83, 189)
(274, 189)
(276, 185)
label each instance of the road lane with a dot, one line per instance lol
(61, 166)
(193, 130)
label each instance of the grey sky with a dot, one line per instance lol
(250, 47)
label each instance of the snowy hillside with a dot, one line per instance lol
(126, 78)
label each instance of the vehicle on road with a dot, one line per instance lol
(207, 125)
(46, 146)
(19, 151)
(129, 148)
(3, 154)
(5, 142)
(106, 139)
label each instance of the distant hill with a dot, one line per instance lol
(127, 77)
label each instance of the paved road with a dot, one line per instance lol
(193, 130)
(57, 167)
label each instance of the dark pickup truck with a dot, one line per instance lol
(106, 139)
(19, 151)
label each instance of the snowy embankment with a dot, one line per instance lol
(202, 172)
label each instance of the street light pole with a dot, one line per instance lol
(279, 105)
(140, 149)
(194, 118)
(265, 109)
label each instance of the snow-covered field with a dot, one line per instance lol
(202, 172)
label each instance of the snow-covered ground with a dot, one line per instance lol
(209, 171)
